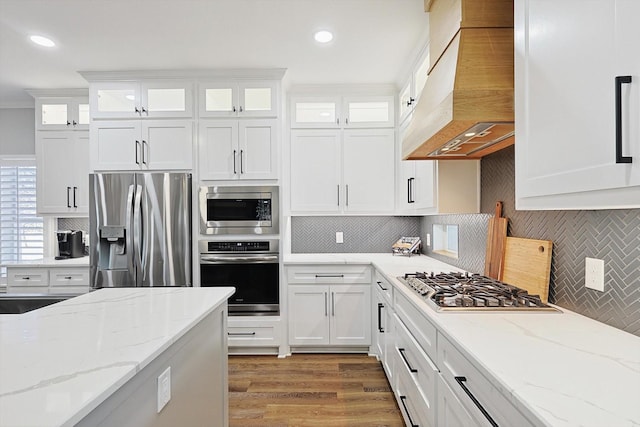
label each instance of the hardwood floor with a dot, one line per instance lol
(328, 390)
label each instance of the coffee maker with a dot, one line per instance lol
(70, 244)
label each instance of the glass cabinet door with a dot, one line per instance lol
(375, 111)
(258, 99)
(316, 112)
(115, 100)
(218, 99)
(166, 99)
(62, 113)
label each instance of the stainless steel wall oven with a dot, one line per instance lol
(239, 210)
(252, 267)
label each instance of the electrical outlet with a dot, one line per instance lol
(164, 388)
(428, 239)
(594, 274)
(339, 237)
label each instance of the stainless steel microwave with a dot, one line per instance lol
(239, 210)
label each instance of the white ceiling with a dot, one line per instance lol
(374, 39)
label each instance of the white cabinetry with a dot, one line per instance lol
(384, 324)
(141, 144)
(437, 186)
(329, 306)
(357, 111)
(254, 334)
(63, 172)
(61, 112)
(141, 99)
(412, 89)
(350, 171)
(238, 149)
(62, 152)
(567, 156)
(252, 98)
(47, 280)
(131, 126)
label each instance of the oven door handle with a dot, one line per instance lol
(217, 259)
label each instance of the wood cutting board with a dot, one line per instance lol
(527, 265)
(496, 237)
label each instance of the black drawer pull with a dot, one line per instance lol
(329, 275)
(381, 287)
(241, 334)
(68, 277)
(461, 381)
(406, 411)
(412, 370)
(380, 307)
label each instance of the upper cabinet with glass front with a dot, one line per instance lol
(61, 110)
(356, 111)
(142, 99)
(251, 98)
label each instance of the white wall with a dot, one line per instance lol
(17, 131)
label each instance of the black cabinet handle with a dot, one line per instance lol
(241, 155)
(75, 123)
(136, 109)
(68, 123)
(241, 334)
(461, 381)
(410, 101)
(410, 190)
(241, 109)
(406, 411)
(380, 285)
(380, 307)
(328, 275)
(137, 145)
(75, 205)
(144, 162)
(620, 80)
(234, 154)
(68, 198)
(412, 370)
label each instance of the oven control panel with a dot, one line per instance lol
(225, 246)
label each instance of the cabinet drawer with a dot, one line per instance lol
(253, 334)
(415, 410)
(329, 274)
(422, 330)
(451, 413)
(384, 286)
(68, 277)
(416, 364)
(466, 381)
(27, 277)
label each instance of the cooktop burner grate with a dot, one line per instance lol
(464, 291)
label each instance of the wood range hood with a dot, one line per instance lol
(466, 109)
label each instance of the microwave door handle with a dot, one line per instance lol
(215, 259)
(137, 231)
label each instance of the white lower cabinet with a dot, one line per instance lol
(254, 334)
(484, 401)
(329, 306)
(47, 280)
(451, 413)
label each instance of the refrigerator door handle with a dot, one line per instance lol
(129, 225)
(137, 232)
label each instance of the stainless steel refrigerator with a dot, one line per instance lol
(140, 229)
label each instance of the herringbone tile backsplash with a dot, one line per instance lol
(611, 235)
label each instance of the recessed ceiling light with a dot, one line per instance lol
(42, 41)
(323, 36)
(469, 134)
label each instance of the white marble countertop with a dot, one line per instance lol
(565, 369)
(60, 362)
(50, 262)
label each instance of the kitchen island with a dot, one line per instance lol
(96, 360)
(553, 368)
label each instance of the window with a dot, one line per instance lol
(21, 230)
(445, 240)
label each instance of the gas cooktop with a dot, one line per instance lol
(464, 291)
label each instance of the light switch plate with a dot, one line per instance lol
(339, 237)
(594, 274)
(164, 388)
